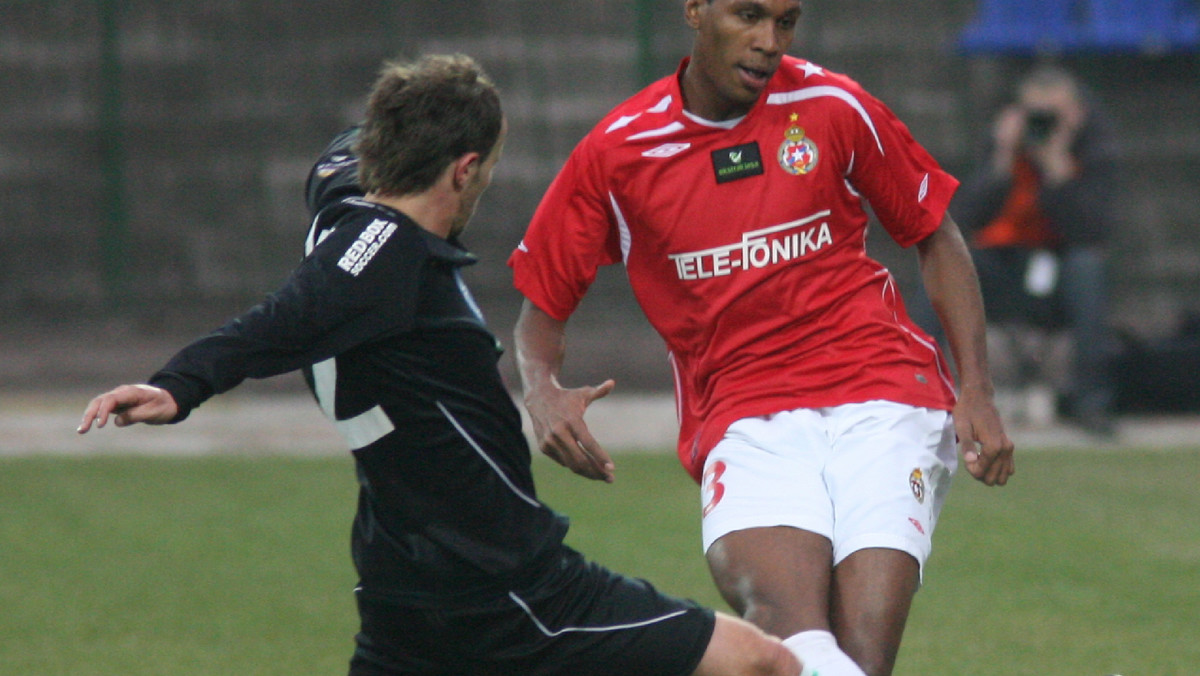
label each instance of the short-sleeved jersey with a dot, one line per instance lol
(745, 245)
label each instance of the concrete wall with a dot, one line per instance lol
(224, 104)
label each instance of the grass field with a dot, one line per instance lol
(1088, 563)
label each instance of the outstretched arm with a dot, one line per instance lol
(557, 412)
(953, 289)
(130, 404)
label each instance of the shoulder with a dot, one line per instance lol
(835, 95)
(334, 176)
(797, 74)
(355, 224)
(651, 109)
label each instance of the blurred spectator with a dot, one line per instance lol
(1040, 211)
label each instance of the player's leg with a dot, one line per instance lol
(888, 481)
(766, 527)
(738, 648)
(767, 521)
(872, 593)
(779, 579)
(776, 577)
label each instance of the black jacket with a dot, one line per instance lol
(397, 354)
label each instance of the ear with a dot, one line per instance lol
(691, 12)
(464, 168)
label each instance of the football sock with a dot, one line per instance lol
(819, 652)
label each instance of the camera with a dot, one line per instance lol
(1039, 124)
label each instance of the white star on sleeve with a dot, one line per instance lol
(811, 69)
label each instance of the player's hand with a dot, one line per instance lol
(561, 433)
(130, 404)
(986, 449)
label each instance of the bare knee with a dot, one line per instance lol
(738, 648)
(778, 578)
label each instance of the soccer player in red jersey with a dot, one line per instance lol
(820, 421)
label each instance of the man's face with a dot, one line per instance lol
(478, 183)
(738, 47)
(1058, 103)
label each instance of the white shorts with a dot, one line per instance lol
(863, 475)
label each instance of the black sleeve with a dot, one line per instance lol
(1082, 209)
(335, 174)
(332, 302)
(980, 198)
(982, 195)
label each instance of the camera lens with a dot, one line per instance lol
(1039, 124)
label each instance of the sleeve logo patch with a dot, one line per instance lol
(360, 253)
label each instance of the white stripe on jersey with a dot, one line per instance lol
(662, 131)
(622, 228)
(621, 122)
(662, 106)
(363, 429)
(462, 431)
(782, 98)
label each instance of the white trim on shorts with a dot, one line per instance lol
(864, 475)
(613, 627)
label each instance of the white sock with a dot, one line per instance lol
(819, 652)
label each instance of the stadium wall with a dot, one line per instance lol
(156, 177)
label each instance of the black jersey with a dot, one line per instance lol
(397, 354)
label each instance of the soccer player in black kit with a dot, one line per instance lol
(462, 570)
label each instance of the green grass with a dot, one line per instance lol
(1086, 564)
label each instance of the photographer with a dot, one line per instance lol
(1040, 210)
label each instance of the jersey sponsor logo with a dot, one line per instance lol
(369, 241)
(667, 150)
(738, 162)
(758, 249)
(798, 154)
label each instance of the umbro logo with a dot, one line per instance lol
(667, 150)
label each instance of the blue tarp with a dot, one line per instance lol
(1032, 26)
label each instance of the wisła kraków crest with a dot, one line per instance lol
(798, 154)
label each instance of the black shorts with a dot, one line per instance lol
(580, 620)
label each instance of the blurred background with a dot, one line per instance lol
(153, 152)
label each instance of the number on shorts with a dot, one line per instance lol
(712, 487)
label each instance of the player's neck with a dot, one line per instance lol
(702, 100)
(428, 209)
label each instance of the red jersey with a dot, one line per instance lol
(745, 245)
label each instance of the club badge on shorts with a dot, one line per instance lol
(798, 154)
(916, 481)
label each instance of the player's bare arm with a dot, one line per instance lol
(953, 289)
(557, 412)
(130, 404)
